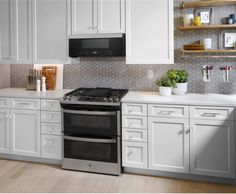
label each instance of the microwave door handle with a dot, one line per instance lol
(90, 113)
(90, 140)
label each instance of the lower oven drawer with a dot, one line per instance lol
(91, 148)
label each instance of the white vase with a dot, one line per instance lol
(180, 89)
(165, 91)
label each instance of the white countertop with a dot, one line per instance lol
(23, 93)
(188, 99)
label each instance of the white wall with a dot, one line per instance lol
(5, 76)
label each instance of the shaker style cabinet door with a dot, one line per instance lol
(149, 32)
(50, 25)
(25, 132)
(84, 16)
(168, 144)
(5, 31)
(212, 148)
(22, 32)
(111, 16)
(4, 131)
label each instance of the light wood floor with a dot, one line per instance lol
(29, 177)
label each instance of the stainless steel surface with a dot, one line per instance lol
(96, 35)
(91, 140)
(100, 113)
(90, 103)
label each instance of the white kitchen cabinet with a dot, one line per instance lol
(168, 144)
(149, 32)
(22, 32)
(4, 131)
(51, 147)
(111, 16)
(15, 32)
(84, 16)
(5, 31)
(97, 16)
(134, 154)
(212, 148)
(25, 132)
(50, 31)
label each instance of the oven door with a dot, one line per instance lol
(91, 148)
(97, 123)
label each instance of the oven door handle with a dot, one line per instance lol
(90, 139)
(90, 112)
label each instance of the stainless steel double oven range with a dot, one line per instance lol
(92, 130)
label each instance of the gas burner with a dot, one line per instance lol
(94, 96)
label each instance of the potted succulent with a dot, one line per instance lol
(179, 80)
(165, 86)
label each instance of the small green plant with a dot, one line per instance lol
(164, 82)
(177, 76)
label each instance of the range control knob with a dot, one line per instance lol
(105, 99)
(69, 98)
(65, 98)
(116, 99)
(110, 99)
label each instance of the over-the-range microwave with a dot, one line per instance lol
(97, 46)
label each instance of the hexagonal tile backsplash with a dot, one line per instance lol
(113, 72)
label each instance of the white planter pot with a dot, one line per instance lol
(181, 89)
(165, 91)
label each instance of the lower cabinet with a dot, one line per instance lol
(51, 146)
(212, 148)
(25, 132)
(134, 154)
(168, 144)
(4, 131)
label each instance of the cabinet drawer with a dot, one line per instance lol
(4, 102)
(50, 117)
(50, 105)
(134, 122)
(19, 103)
(51, 147)
(134, 154)
(168, 111)
(51, 128)
(202, 112)
(134, 109)
(134, 135)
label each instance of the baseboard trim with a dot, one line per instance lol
(179, 176)
(30, 159)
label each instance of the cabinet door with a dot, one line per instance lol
(25, 132)
(84, 16)
(5, 31)
(134, 154)
(51, 146)
(111, 16)
(212, 148)
(149, 31)
(4, 131)
(50, 33)
(168, 144)
(22, 34)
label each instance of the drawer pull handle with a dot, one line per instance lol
(166, 112)
(24, 104)
(210, 114)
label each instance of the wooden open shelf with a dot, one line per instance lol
(207, 3)
(218, 26)
(208, 51)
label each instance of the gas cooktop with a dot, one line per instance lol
(94, 96)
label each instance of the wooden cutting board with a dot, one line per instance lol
(50, 72)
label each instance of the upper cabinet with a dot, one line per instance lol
(5, 31)
(97, 16)
(15, 32)
(22, 33)
(50, 24)
(149, 31)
